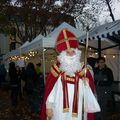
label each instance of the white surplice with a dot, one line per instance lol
(55, 98)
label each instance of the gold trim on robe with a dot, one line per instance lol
(55, 70)
(65, 110)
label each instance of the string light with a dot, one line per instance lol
(96, 53)
(44, 50)
(32, 53)
(113, 56)
(90, 48)
(104, 56)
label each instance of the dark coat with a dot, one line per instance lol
(103, 77)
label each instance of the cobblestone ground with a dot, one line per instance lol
(22, 112)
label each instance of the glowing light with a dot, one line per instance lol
(113, 56)
(90, 48)
(104, 56)
(44, 50)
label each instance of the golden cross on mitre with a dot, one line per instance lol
(66, 38)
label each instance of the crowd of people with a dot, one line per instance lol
(24, 83)
(3, 73)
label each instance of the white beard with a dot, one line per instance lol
(70, 64)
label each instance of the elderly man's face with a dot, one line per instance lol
(101, 63)
(70, 52)
(70, 61)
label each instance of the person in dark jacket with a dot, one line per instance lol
(2, 74)
(31, 78)
(103, 81)
(19, 73)
(13, 83)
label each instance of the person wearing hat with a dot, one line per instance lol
(63, 92)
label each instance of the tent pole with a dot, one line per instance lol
(43, 50)
(20, 51)
(99, 47)
(86, 49)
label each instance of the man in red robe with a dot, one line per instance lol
(63, 99)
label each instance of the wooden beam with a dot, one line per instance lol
(82, 44)
(110, 47)
(99, 46)
(113, 39)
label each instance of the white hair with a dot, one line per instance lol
(70, 64)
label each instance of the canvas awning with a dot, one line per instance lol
(103, 37)
(104, 31)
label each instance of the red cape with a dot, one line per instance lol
(51, 80)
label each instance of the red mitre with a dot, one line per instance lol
(66, 40)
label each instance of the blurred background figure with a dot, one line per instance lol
(20, 86)
(23, 81)
(103, 81)
(38, 68)
(91, 63)
(14, 84)
(31, 78)
(40, 75)
(39, 87)
(3, 73)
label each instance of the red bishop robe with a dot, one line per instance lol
(51, 80)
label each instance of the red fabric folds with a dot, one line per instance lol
(76, 96)
(49, 86)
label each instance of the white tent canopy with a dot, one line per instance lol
(103, 31)
(34, 44)
(25, 44)
(108, 33)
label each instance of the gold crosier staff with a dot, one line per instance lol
(86, 49)
(85, 63)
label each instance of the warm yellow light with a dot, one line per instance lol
(90, 48)
(104, 56)
(113, 56)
